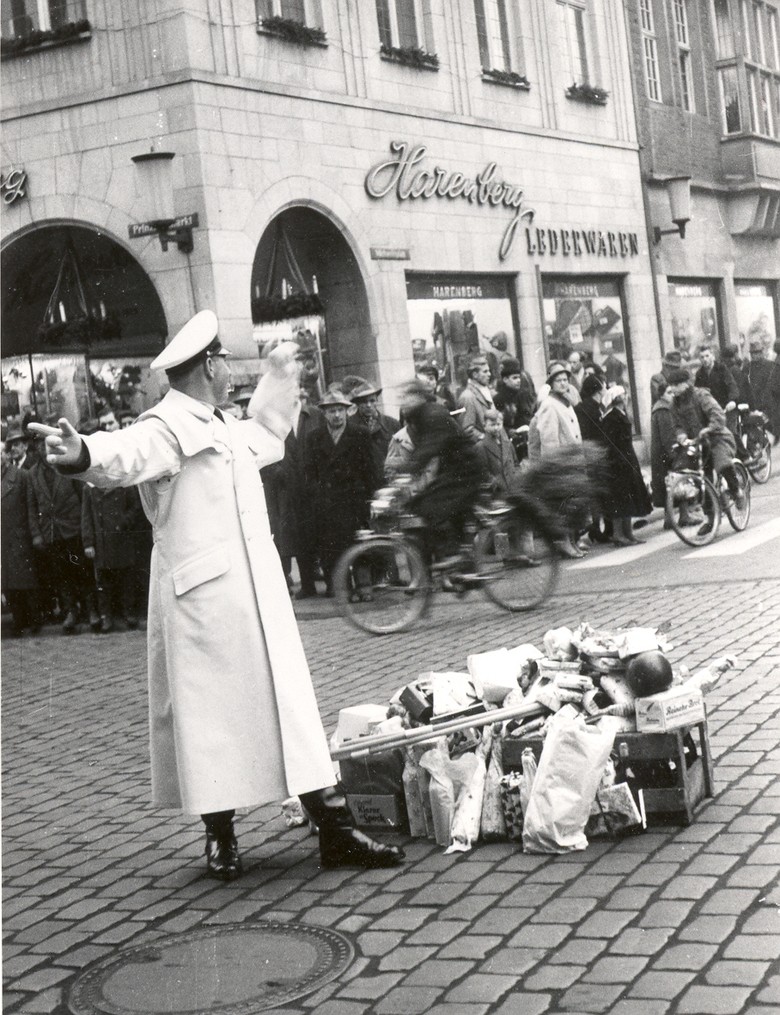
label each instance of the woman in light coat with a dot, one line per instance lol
(554, 439)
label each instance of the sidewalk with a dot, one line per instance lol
(678, 920)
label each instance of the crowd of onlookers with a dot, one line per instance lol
(79, 555)
(71, 553)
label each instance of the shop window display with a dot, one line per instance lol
(56, 385)
(586, 315)
(756, 315)
(695, 316)
(309, 334)
(453, 317)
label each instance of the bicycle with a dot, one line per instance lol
(753, 440)
(694, 504)
(383, 583)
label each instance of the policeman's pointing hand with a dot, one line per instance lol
(63, 445)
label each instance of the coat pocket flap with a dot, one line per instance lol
(200, 569)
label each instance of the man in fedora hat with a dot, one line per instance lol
(339, 468)
(365, 397)
(18, 449)
(658, 382)
(233, 716)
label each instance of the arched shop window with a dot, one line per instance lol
(81, 321)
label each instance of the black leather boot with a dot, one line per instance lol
(341, 844)
(222, 858)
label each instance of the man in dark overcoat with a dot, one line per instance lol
(19, 579)
(716, 377)
(110, 525)
(340, 471)
(54, 517)
(289, 498)
(764, 377)
(381, 427)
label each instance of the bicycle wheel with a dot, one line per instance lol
(518, 562)
(738, 516)
(381, 585)
(693, 507)
(761, 469)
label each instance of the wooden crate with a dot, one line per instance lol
(674, 803)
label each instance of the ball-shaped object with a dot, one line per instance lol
(649, 673)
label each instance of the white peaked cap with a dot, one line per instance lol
(196, 335)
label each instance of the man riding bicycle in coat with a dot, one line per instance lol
(695, 411)
(446, 501)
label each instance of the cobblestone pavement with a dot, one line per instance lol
(678, 920)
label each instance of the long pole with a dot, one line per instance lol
(421, 734)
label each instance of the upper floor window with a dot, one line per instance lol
(758, 22)
(729, 100)
(573, 40)
(760, 45)
(763, 94)
(304, 12)
(724, 30)
(20, 17)
(774, 43)
(494, 35)
(650, 50)
(682, 38)
(401, 24)
(747, 43)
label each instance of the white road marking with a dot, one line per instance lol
(738, 542)
(619, 557)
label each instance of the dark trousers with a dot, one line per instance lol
(68, 574)
(307, 568)
(116, 593)
(25, 608)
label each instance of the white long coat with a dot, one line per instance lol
(233, 717)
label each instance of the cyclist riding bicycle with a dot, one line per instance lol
(446, 501)
(695, 411)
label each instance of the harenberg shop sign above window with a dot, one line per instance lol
(403, 175)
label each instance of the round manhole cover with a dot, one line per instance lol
(235, 969)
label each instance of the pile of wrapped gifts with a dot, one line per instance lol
(520, 747)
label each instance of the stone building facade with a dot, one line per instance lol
(425, 178)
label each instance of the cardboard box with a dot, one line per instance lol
(669, 710)
(379, 811)
(359, 721)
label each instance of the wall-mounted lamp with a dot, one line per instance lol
(678, 189)
(155, 188)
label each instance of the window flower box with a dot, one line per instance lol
(293, 31)
(587, 93)
(410, 56)
(506, 77)
(74, 31)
